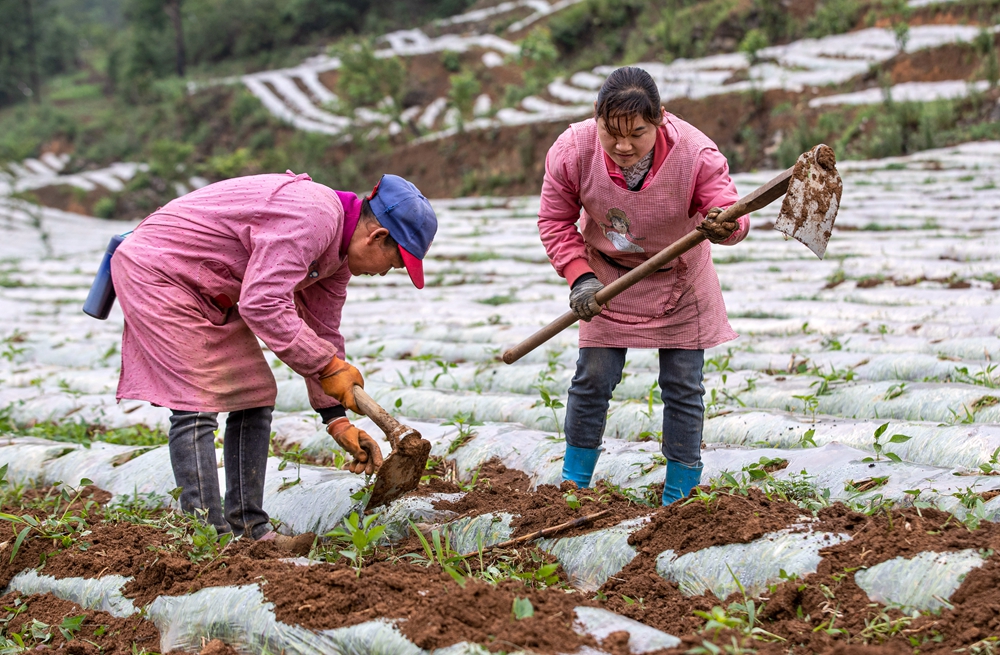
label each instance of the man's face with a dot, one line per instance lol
(367, 253)
(626, 139)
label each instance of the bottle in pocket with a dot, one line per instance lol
(102, 292)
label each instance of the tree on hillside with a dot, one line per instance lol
(150, 17)
(36, 41)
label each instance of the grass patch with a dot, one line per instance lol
(81, 432)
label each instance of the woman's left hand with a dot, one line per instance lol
(715, 231)
(365, 451)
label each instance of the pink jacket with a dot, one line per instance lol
(680, 306)
(206, 275)
(561, 202)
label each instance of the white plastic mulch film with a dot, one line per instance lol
(723, 569)
(241, 617)
(829, 351)
(922, 583)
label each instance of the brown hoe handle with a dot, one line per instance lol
(758, 199)
(393, 429)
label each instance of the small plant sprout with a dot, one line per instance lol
(359, 537)
(879, 447)
(441, 553)
(464, 421)
(293, 454)
(894, 391)
(522, 609)
(807, 440)
(547, 399)
(990, 467)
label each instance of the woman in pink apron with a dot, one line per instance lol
(263, 257)
(637, 179)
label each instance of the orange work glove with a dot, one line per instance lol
(364, 449)
(338, 380)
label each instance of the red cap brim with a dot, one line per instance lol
(414, 266)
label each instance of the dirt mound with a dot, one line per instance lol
(75, 630)
(500, 489)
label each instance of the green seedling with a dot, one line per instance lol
(571, 500)
(548, 399)
(807, 440)
(810, 404)
(206, 542)
(465, 422)
(879, 447)
(442, 554)
(65, 529)
(359, 538)
(707, 498)
(293, 454)
(991, 467)
(71, 625)
(522, 609)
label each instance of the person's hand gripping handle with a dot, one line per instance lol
(345, 383)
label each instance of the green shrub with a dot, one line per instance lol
(754, 41)
(228, 165)
(366, 79)
(451, 61)
(462, 94)
(579, 25)
(105, 207)
(834, 17)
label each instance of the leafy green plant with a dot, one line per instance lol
(464, 88)
(522, 608)
(879, 447)
(990, 467)
(807, 439)
(708, 499)
(366, 79)
(295, 455)
(359, 538)
(64, 529)
(206, 542)
(465, 422)
(442, 554)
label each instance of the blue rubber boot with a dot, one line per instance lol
(680, 481)
(579, 463)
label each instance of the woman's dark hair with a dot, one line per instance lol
(627, 93)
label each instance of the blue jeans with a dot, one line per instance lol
(598, 372)
(245, 444)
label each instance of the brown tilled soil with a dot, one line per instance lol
(508, 490)
(435, 611)
(98, 633)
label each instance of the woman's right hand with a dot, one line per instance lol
(582, 297)
(338, 380)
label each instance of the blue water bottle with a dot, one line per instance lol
(102, 292)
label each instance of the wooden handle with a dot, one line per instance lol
(393, 429)
(753, 201)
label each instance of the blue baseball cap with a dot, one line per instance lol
(407, 214)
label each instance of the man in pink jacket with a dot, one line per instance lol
(637, 179)
(264, 257)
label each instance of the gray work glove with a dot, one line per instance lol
(581, 298)
(715, 231)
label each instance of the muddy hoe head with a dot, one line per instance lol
(402, 469)
(812, 200)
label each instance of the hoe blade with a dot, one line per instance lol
(813, 198)
(401, 470)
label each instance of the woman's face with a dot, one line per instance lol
(635, 141)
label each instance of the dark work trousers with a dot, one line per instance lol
(245, 445)
(598, 372)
